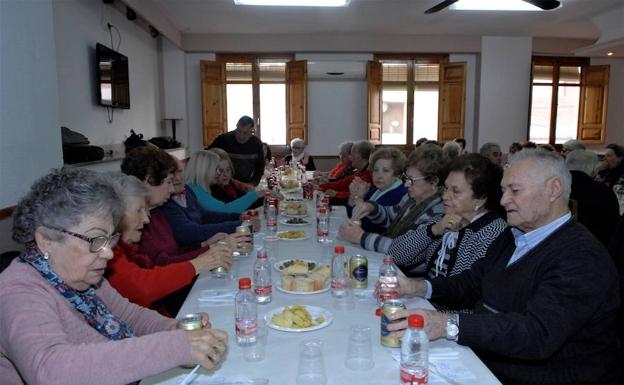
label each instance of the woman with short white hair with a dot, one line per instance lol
(299, 155)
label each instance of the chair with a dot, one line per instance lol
(6, 258)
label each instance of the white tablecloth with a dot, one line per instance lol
(457, 363)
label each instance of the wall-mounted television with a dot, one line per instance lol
(113, 85)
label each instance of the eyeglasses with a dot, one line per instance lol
(410, 180)
(220, 171)
(96, 244)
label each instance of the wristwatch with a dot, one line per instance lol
(452, 327)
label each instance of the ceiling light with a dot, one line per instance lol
(493, 5)
(609, 53)
(295, 3)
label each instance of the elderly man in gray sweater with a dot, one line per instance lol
(545, 296)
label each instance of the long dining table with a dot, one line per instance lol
(450, 363)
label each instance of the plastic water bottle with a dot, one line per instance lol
(263, 286)
(247, 222)
(415, 352)
(322, 225)
(340, 280)
(388, 284)
(245, 313)
(271, 220)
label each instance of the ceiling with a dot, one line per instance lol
(400, 17)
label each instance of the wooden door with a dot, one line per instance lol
(452, 101)
(297, 100)
(593, 105)
(375, 88)
(214, 108)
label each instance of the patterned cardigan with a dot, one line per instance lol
(415, 252)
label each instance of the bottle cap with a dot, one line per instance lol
(378, 312)
(244, 283)
(416, 321)
(339, 249)
(246, 217)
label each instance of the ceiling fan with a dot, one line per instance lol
(545, 5)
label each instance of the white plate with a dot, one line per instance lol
(285, 222)
(295, 215)
(279, 266)
(279, 287)
(306, 236)
(314, 312)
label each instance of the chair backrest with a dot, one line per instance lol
(6, 258)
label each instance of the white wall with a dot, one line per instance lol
(78, 26)
(30, 140)
(615, 108)
(174, 89)
(504, 90)
(193, 100)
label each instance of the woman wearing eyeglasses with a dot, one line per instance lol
(386, 165)
(202, 172)
(421, 204)
(60, 321)
(299, 155)
(226, 188)
(473, 219)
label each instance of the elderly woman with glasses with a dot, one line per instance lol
(386, 166)
(60, 321)
(299, 155)
(473, 219)
(421, 204)
(226, 188)
(202, 172)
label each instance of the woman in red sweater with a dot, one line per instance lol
(145, 286)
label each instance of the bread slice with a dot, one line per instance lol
(323, 270)
(319, 280)
(287, 282)
(303, 284)
(298, 267)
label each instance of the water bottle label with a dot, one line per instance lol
(338, 284)
(322, 232)
(245, 328)
(263, 290)
(417, 377)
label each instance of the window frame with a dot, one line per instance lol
(556, 62)
(410, 84)
(254, 59)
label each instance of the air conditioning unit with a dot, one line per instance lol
(336, 70)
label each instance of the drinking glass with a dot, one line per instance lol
(271, 244)
(311, 366)
(359, 350)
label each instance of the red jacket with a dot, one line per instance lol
(145, 286)
(341, 186)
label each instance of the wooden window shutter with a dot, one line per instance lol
(452, 101)
(214, 108)
(375, 87)
(593, 105)
(297, 100)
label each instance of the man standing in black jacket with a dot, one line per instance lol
(546, 295)
(245, 151)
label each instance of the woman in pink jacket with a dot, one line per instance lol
(60, 321)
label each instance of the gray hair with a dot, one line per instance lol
(451, 149)
(202, 168)
(128, 186)
(547, 165)
(297, 141)
(63, 199)
(574, 144)
(582, 160)
(364, 147)
(488, 148)
(345, 146)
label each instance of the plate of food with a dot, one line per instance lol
(303, 285)
(298, 266)
(298, 318)
(295, 221)
(294, 209)
(292, 235)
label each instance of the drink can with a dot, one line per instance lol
(247, 247)
(190, 322)
(390, 307)
(358, 266)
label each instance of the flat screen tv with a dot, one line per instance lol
(113, 86)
